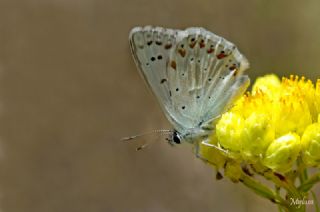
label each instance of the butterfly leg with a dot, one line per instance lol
(205, 142)
(198, 155)
(170, 141)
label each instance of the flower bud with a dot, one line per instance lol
(258, 133)
(282, 153)
(311, 145)
(229, 131)
(269, 84)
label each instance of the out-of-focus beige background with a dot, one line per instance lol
(69, 90)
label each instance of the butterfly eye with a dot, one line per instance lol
(176, 138)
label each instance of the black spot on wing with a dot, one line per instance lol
(163, 81)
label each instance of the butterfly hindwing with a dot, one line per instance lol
(206, 76)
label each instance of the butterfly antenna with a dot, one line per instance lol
(142, 147)
(162, 132)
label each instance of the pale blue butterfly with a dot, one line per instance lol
(195, 75)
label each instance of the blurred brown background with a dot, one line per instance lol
(69, 90)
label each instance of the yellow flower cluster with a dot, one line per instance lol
(273, 125)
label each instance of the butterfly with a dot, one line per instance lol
(195, 75)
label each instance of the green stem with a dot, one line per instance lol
(283, 182)
(303, 173)
(277, 189)
(263, 190)
(292, 192)
(308, 184)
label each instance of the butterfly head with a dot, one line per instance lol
(189, 135)
(176, 137)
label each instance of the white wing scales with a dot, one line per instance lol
(195, 74)
(151, 60)
(151, 49)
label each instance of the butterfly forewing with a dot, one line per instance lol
(151, 49)
(194, 73)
